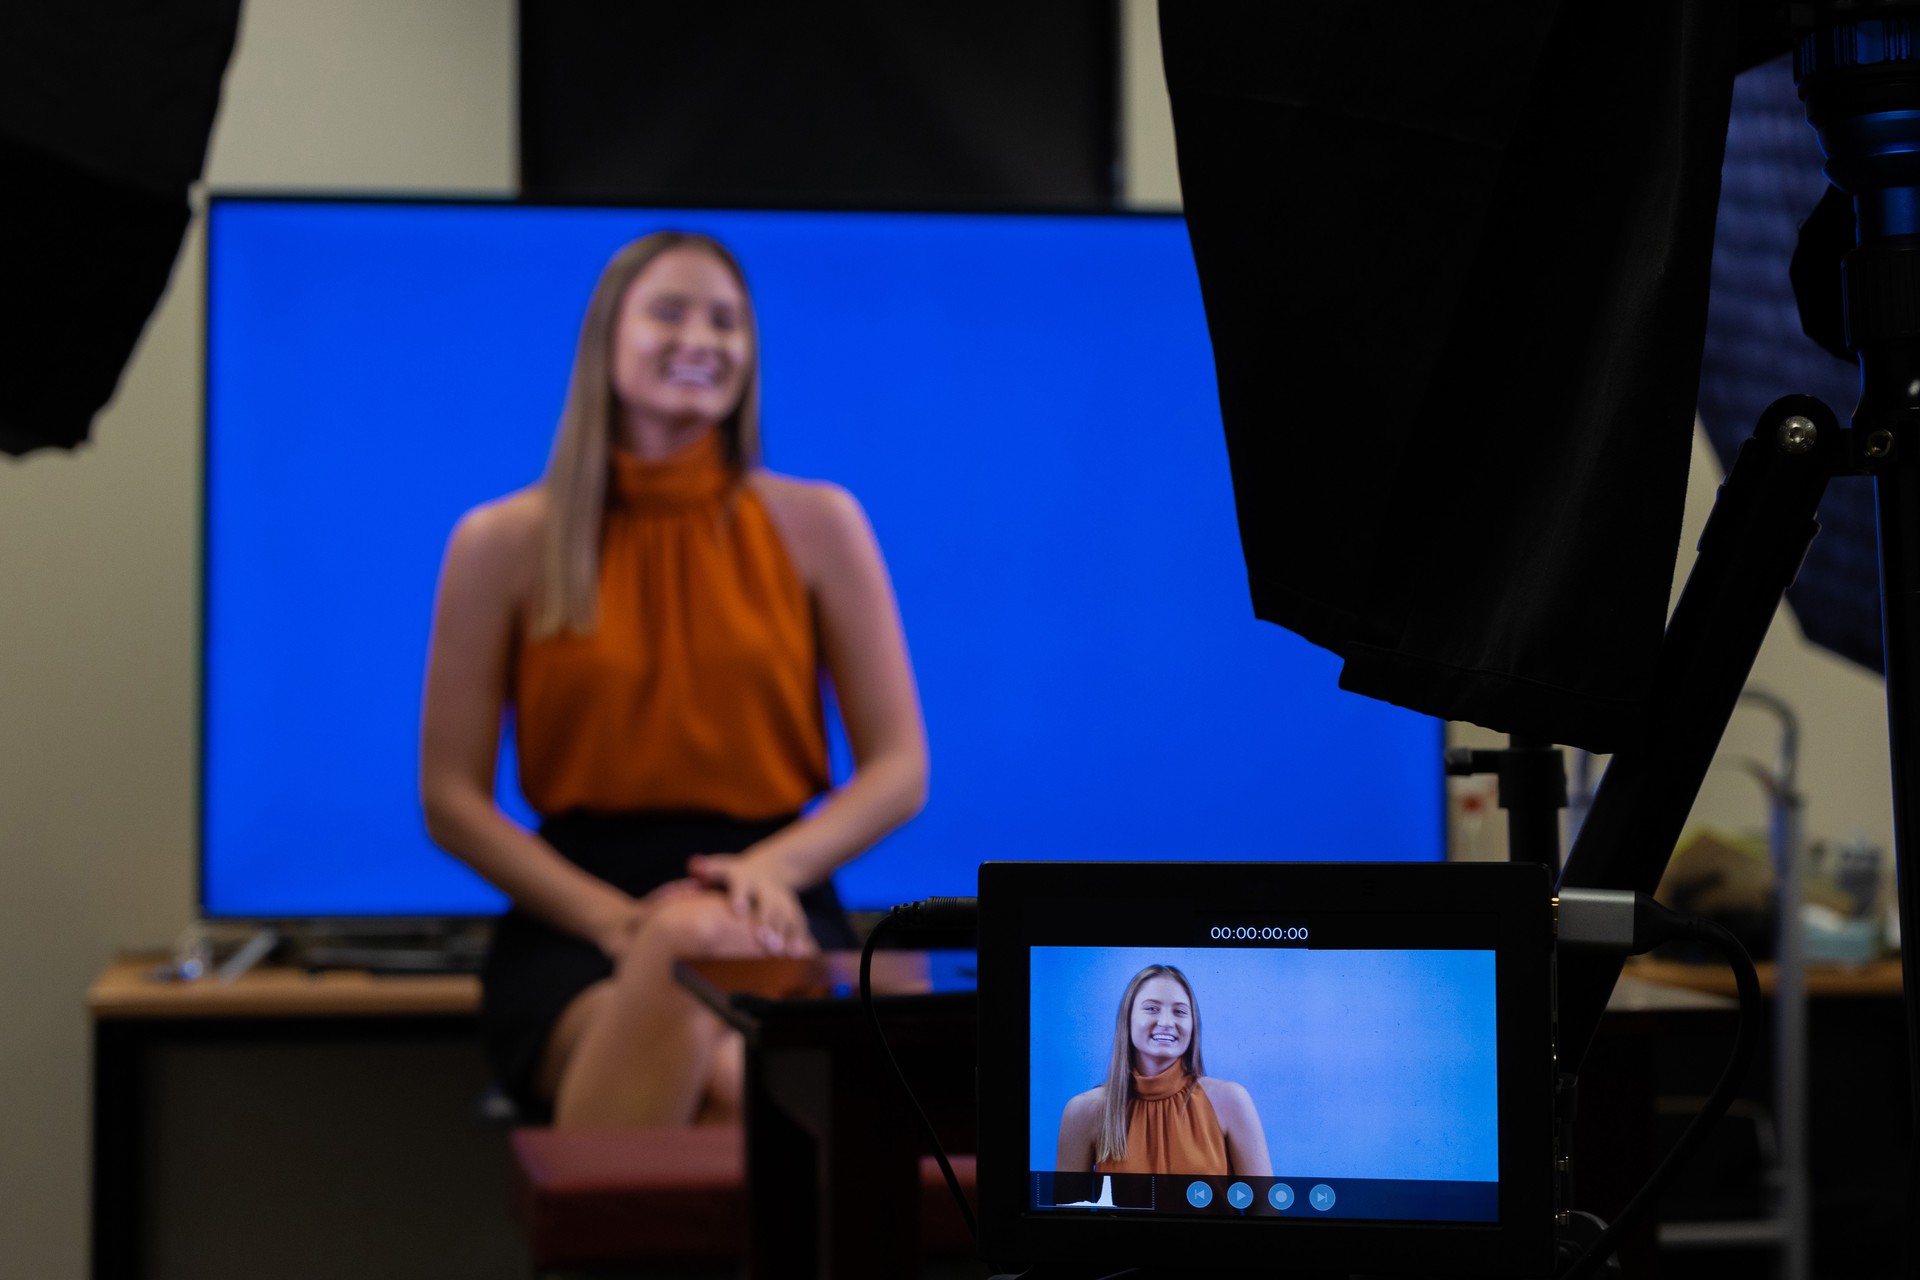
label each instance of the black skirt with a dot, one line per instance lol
(534, 971)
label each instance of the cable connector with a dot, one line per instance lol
(936, 917)
(1617, 920)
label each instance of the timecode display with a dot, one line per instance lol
(1259, 933)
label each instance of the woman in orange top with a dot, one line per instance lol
(656, 614)
(1159, 1112)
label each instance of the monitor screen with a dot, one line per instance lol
(1337, 1078)
(1025, 406)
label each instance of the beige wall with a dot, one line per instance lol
(98, 573)
(1149, 177)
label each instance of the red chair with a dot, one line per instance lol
(603, 1198)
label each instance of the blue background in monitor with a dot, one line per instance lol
(1026, 407)
(1361, 1064)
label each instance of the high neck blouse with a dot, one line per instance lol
(698, 688)
(1171, 1127)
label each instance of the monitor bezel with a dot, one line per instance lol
(1519, 898)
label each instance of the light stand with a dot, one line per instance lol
(1860, 80)
(1861, 83)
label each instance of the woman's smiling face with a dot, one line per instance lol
(1162, 1022)
(683, 344)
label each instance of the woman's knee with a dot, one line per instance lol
(695, 925)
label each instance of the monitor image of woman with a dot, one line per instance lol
(1159, 1112)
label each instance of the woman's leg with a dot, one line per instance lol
(725, 1102)
(638, 1049)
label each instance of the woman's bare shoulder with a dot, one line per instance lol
(515, 516)
(500, 539)
(821, 522)
(1225, 1093)
(812, 502)
(507, 521)
(1083, 1104)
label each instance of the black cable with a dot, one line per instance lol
(880, 1038)
(1746, 1041)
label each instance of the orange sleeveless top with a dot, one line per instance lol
(698, 688)
(1171, 1127)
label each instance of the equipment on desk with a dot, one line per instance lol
(1389, 1028)
(223, 951)
(390, 946)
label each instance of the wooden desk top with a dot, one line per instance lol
(126, 989)
(1634, 995)
(1881, 978)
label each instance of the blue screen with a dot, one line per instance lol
(1373, 1073)
(1025, 405)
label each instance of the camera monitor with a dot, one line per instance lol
(1341, 1067)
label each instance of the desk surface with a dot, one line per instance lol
(1881, 978)
(126, 989)
(1635, 995)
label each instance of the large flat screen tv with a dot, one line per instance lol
(1024, 404)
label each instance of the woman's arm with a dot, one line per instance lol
(1078, 1121)
(865, 654)
(489, 566)
(1240, 1121)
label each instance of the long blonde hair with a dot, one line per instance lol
(1111, 1141)
(576, 479)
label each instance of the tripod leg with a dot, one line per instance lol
(1897, 499)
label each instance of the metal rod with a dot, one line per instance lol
(1533, 791)
(1751, 548)
(1786, 842)
(1897, 501)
